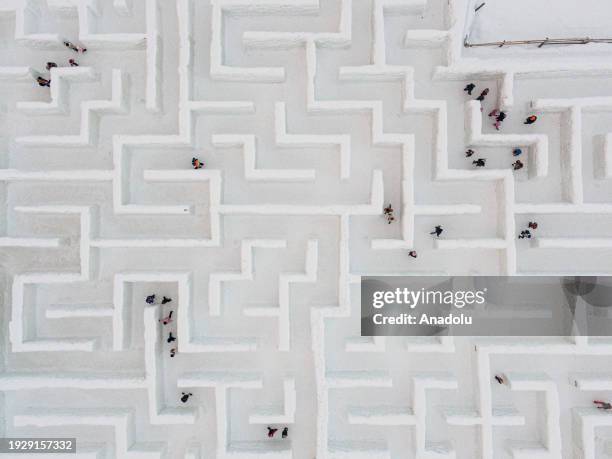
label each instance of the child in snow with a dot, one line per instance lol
(271, 432)
(469, 88)
(150, 299)
(500, 379)
(166, 300)
(285, 432)
(172, 352)
(480, 162)
(412, 253)
(72, 63)
(517, 165)
(469, 153)
(185, 396)
(532, 225)
(51, 65)
(170, 338)
(530, 119)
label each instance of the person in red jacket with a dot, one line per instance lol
(167, 320)
(196, 163)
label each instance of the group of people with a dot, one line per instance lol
(518, 163)
(499, 116)
(46, 82)
(151, 299)
(526, 233)
(388, 214)
(272, 431)
(437, 231)
(481, 162)
(600, 404)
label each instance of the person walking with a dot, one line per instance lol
(469, 88)
(185, 396)
(412, 254)
(530, 119)
(285, 432)
(483, 94)
(73, 47)
(43, 82)
(388, 212)
(480, 162)
(437, 230)
(196, 163)
(167, 320)
(501, 116)
(271, 432)
(170, 338)
(602, 405)
(469, 153)
(517, 165)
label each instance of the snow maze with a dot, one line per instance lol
(310, 117)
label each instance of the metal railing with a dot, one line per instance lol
(540, 42)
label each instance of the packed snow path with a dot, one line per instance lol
(310, 117)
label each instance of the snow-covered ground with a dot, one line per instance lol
(529, 20)
(310, 118)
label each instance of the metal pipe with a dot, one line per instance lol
(540, 42)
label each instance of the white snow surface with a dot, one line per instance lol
(310, 117)
(537, 19)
